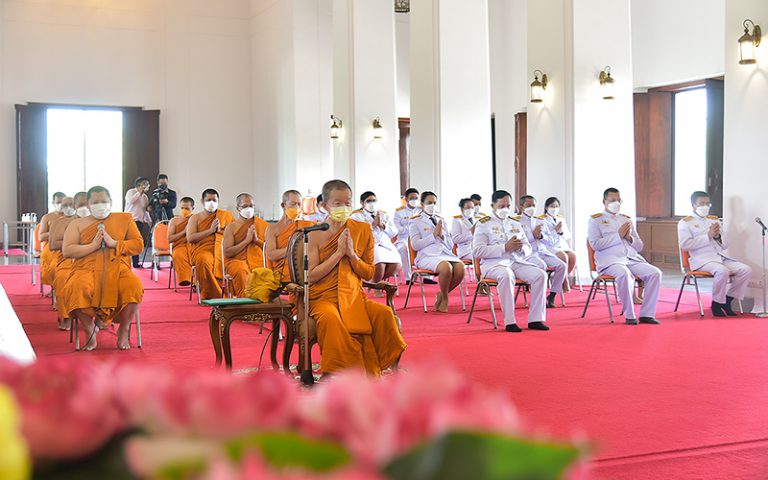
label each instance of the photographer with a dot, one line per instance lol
(163, 200)
(136, 203)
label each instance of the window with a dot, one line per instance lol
(690, 147)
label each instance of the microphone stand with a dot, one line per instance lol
(764, 313)
(307, 378)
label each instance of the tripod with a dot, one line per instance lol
(764, 313)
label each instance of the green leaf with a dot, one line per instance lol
(483, 456)
(287, 449)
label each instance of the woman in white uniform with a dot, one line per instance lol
(463, 228)
(386, 258)
(433, 245)
(557, 234)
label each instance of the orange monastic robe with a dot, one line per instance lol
(102, 283)
(182, 264)
(63, 271)
(249, 258)
(206, 255)
(281, 266)
(48, 261)
(339, 305)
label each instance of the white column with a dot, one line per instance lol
(364, 88)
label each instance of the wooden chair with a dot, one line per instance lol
(691, 277)
(600, 281)
(484, 288)
(419, 274)
(161, 248)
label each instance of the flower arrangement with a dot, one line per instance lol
(86, 419)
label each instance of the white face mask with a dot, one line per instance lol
(413, 203)
(468, 213)
(430, 209)
(613, 207)
(211, 206)
(247, 212)
(56, 207)
(101, 211)
(476, 209)
(83, 212)
(529, 211)
(68, 211)
(702, 211)
(320, 209)
(370, 207)
(553, 211)
(503, 213)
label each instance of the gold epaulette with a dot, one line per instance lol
(415, 216)
(688, 218)
(399, 208)
(542, 217)
(625, 216)
(515, 218)
(597, 215)
(457, 216)
(359, 210)
(484, 219)
(714, 217)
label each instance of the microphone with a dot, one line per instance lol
(315, 228)
(103, 243)
(760, 222)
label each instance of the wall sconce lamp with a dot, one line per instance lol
(606, 81)
(538, 87)
(378, 130)
(749, 42)
(336, 126)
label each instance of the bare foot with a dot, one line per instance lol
(101, 324)
(438, 300)
(443, 305)
(90, 331)
(123, 338)
(65, 324)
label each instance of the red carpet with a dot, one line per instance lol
(683, 400)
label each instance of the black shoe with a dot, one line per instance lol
(537, 326)
(649, 321)
(551, 300)
(631, 321)
(429, 281)
(718, 310)
(138, 266)
(513, 328)
(727, 307)
(159, 267)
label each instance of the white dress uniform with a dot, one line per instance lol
(318, 217)
(461, 233)
(541, 254)
(384, 251)
(710, 256)
(430, 250)
(495, 262)
(621, 259)
(554, 241)
(402, 218)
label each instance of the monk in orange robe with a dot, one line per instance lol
(101, 283)
(244, 244)
(177, 238)
(280, 232)
(48, 259)
(63, 265)
(205, 232)
(340, 258)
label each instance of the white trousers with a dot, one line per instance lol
(533, 276)
(625, 286)
(738, 273)
(402, 248)
(558, 275)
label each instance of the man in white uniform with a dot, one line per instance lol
(541, 255)
(463, 228)
(701, 234)
(403, 216)
(503, 250)
(477, 200)
(386, 259)
(617, 253)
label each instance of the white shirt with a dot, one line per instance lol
(381, 236)
(402, 218)
(552, 239)
(693, 236)
(491, 235)
(136, 204)
(461, 233)
(610, 248)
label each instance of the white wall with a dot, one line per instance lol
(676, 41)
(190, 59)
(745, 166)
(403, 59)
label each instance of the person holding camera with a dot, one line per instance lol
(136, 203)
(163, 200)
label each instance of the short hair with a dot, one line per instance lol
(410, 191)
(475, 196)
(426, 194)
(290, 192)
(97, 189)
(550, 201)
(499, 194)
(608, 191)
(333, 185)
(320, 198)
(162, 176)
(526, 197)
(697, 195)
(59, 195)
(463, 201)
(366, 195)
(209, 191)
(187, 199)
(139, 181)
(242, 196)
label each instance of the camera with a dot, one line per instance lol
(158, 209)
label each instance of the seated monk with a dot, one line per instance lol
(244, 244)
(204, 234)
(279, 233)
(63, 265)
(101, 283)
(48, 260)
(340, 258)
(177, 237)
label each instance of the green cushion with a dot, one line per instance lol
(226, 302)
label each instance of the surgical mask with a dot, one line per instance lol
(321, 210)
(68, 211)
(370, 207)
(56, 207)
(83, 212)
(430, 208)
(247, 212)
(186, 212)
(101, 211)
(553, 211)
(292, 213)
(529, 211)
(211, 206)
(341, 214)
(476, 209)
(503, 213)
(413, 203)
(702, 210)
(468, 213)
(614, 207)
